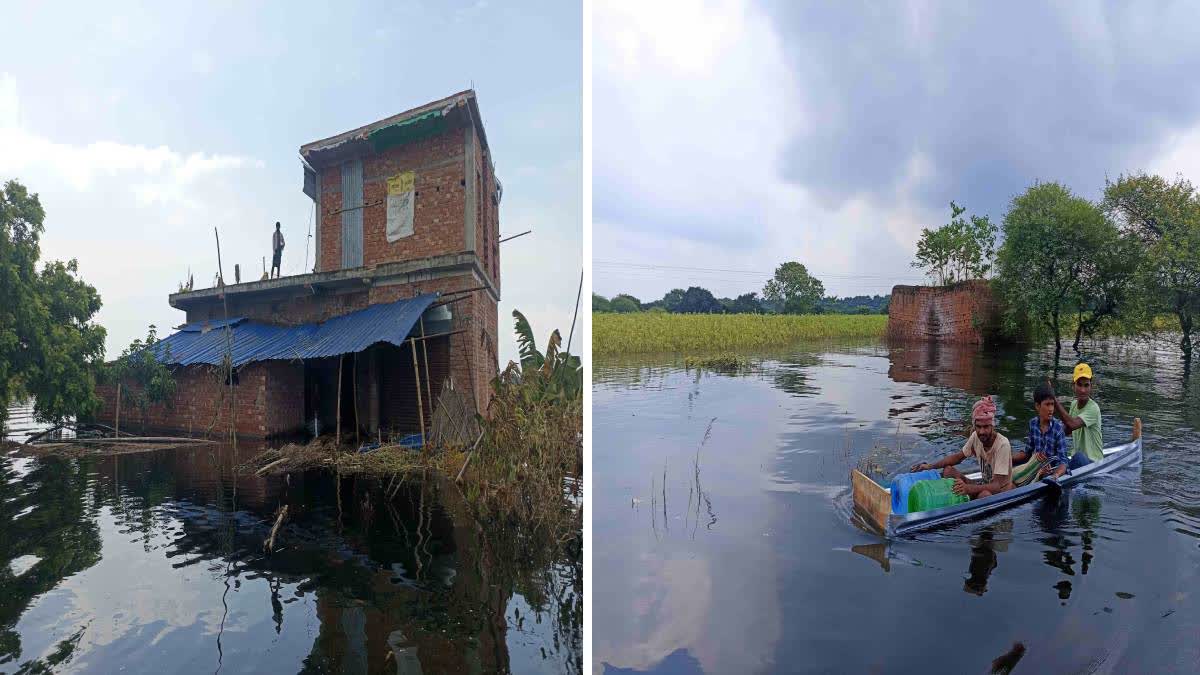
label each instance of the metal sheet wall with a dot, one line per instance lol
(397, 383)
(352, 214)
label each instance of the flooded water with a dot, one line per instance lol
(726, 541)
(154, 563)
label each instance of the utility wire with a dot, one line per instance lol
(767, 273)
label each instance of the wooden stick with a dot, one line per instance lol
(449, 302)
(117, 422)
(420, 405)
(469, 456)
(272, 465)
(354, 394)
(438, 335)
(338, 437)
(269, 544)
(465, 290)
(425, 352)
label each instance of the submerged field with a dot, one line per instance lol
(661, 332)
(725, 539)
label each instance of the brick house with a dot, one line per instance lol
(406, 247)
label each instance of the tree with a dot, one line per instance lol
(673, 300)
(143, 373)
(1061, 257)
(793, 289)
(1164, 217)
(623, 305)
(698, 300)
(600, 303)
(627, 302)
(49, 347)
(746, 303)
(958, 250)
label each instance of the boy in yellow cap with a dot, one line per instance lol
(1083, 420)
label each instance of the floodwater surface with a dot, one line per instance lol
(154, 563)
(725, 539)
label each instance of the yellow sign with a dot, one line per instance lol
(401, 183)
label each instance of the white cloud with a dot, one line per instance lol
(1180, 155)
(103, 199)
(202, 62)
(695, 104)
(9, 107)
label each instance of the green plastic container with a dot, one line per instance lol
(933, 494)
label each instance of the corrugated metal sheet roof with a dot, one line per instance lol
(255, 341)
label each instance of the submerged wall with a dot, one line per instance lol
(964, 313)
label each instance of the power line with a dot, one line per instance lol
(759, 273)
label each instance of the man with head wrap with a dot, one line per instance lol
(988, 446)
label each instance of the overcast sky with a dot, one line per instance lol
(143, 127)
(733, 136)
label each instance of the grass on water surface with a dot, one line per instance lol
(662, 332)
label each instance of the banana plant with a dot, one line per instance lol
(556, 373)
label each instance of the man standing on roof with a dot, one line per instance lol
(277, 248)
(1082, 420)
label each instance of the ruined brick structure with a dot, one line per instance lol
(965, 312)
(435, 159)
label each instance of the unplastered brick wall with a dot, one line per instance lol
(487, 212)
(962, 313)
(438, 207)
(268, 397)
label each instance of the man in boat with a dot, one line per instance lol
(1082, 420)
(988, 446)
(1045, 451)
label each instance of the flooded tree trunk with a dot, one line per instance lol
(1185, 343)
(1057, 340)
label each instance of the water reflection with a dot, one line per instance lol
(158, 557)
(770, 586)
(985, 545)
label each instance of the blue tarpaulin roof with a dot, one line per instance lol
(204, 342)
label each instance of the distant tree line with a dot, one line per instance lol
(792, 290)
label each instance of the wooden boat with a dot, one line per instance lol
(874, 502)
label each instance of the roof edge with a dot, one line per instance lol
(466, 97)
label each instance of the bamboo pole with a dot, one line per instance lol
(338, 437)
(117, 422)
(354, 394)
(425, 352)
(420, 405)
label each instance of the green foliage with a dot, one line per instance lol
(1061, 257)
(858, 304)
(698, 300)
(623, 304)
(747, 303)
(143, 374)
(49, 347)
(1164, 218)
(534, 437)
(793, 289)
(554, 374)
(600, 303)
(673, 300)
(958, 250)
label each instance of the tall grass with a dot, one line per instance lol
(662, 332)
